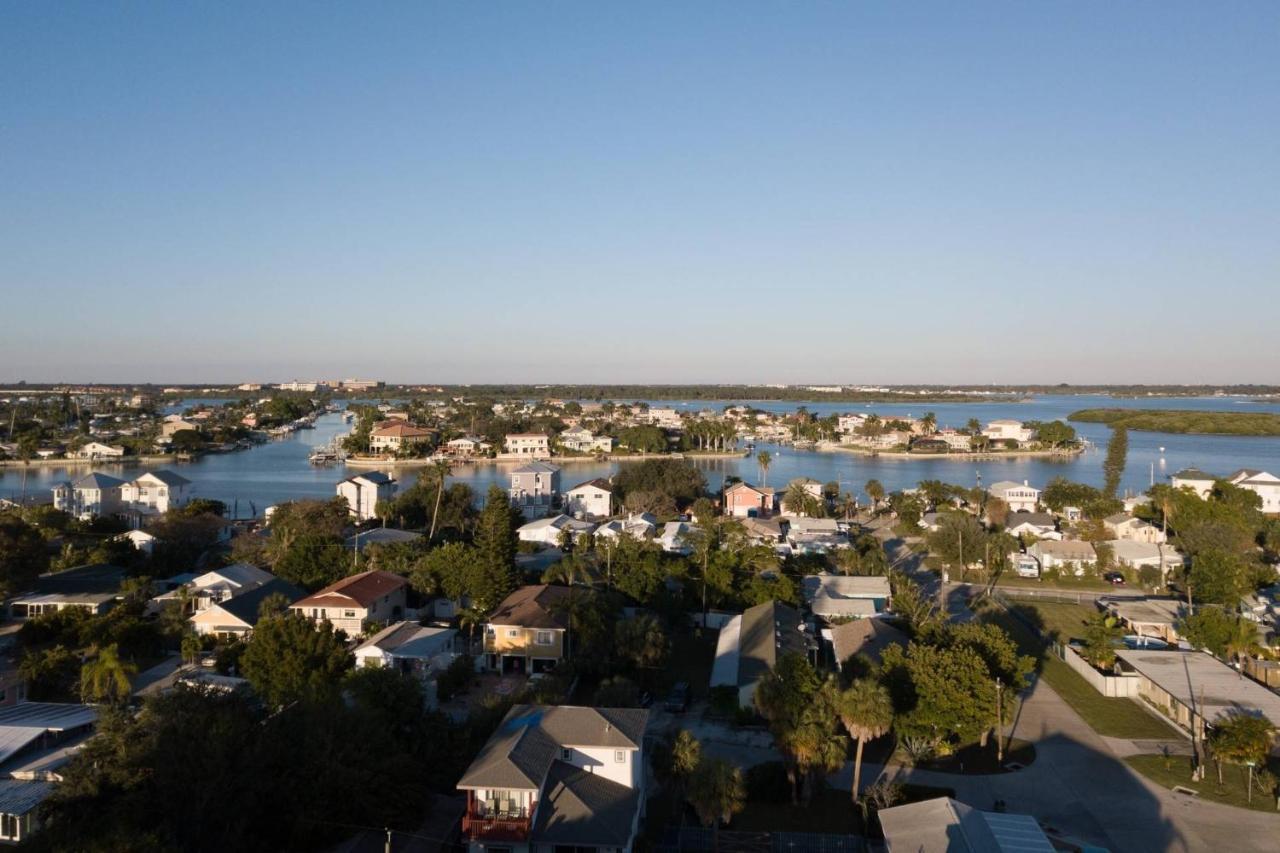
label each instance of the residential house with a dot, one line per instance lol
(1008, 430)
(1025, 525)
(1136, 555)
(381, 536)
(175, 424)
(97, 450)
(1125, 526)
(832, 597)
(765, 531)
(637, 525)
(140, 540)
(93, 588)
(526, 633)
(867, 638)
(1266, 486)
(945, 825)
(216, 586)
(814, 535)
(677, 537)
(535, 488)
(1070, 555)
(558, 778)
(528, 445)
(410, 648)
(91, 496)
(1020, 497)
(1149, 617)
(751, 643)
(37, 739)
(398, 437)
(363, 492)
(592, 499)
(549, 530)
(155, 493)
(466, 446)
(235, 617)
(662, 416)
(850, 424)
(354, 602)
(582, 440)
(744, 500)
(1195, 480)
(1195, 689)
(954, 439)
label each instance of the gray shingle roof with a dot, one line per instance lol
(98, 481)
(581, 808)
(245, 607)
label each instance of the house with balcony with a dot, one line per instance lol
(362, 492)
(527, 632)
(155, 493)
(235, 618)
(592, 499)
(528, 445)
(1263, 484)
(97, 450)
(557, 778)
(1008, 431)
(582, 440)
(214, 587)
(466, 446)
(398, 437)
(1020, 497)
(91, 496)
(535, 488)
(353, 603)
(744, 500)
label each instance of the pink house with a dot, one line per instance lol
(747, 501)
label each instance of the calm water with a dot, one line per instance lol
(279, 470)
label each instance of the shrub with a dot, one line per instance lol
(768, 783)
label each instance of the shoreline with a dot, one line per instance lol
(985, 456)
(553, 460)
(79, 463)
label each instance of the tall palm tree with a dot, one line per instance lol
(442, 469)
(866, 712)
(930, 423)
(107, 677)
(1242, 643)
(764, 458)
(875, 491)
(470, 618)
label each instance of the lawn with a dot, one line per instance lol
(1064, 621)
(1176, 771)
(1067, 583)
(1122, 718)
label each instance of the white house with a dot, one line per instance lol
(363, 491)
(1020, 497)
(216, 586)
(592, 499)
(410, 648)
(529, 445)
(1041, 525)
(156, 492)
(1195, 480)
(638, 525)
(547, 531)
(1136, 555)
(1124, 526)
(664, 417)
(832, 596)
(582, 440)
(1008, 430)
(90, 496)
(675, 537)
(1264, 485)
(1072, 555)
(140, 540)
(97, 450)
(467, 445)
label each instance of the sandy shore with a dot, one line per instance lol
(86, 463)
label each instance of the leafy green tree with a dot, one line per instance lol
(641, 641)
(313, 561)
(1242, 739)
(496, 551)
(1100, 633)
(866, 712)
(1218, 576)
(686, 754)
(1056, 433)
(289, 658)
(875, 491)
(1113, 464)
(940, 694)
(452, 569)
(23, 555)
(50, 674)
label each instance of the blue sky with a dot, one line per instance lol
(459, 192)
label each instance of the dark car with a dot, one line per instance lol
(1114, 578)
(677, 700)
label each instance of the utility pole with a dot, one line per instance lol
(999, 723)
(388, 829)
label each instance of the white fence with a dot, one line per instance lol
(1113, 686)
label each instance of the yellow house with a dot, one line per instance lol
(526, 633)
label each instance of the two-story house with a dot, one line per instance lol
(398, 436)
(155, 493)
(558, 778)
(362, 492)
(1262, 483)
(526, 633)
(1195, 480)
(235, 617)
(530, 445)
(535, 488)
(1125, 526)
(97, 450)
(592, 499)
(1020, 497)
(91, 496)
(581, 439)
(353, 603)
(1008, 430)
(747, 501)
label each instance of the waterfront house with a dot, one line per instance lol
(751, 643)
(535, 488)
(592, 499)
(234, 618)
(97, 450)
(831, 597)
(1195, 480)
(526, 632)
(664, 417)
(1071, 555)
(528, 445)
(1008, 430)
(362, 492)
(397, 437)
(1125, 526)
(549, 530)
(744, 500)
(91, 496)
(558, 778)
(155, 493)
(582, 440)
(466, 446)
(955, 440)
(1019, 497)
(175, 424)
(352, 603)
(1265, 485)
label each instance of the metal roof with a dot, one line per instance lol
(17, 798)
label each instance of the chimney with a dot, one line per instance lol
(1026, 483)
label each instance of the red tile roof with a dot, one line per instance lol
(363, 590)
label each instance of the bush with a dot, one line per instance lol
(723, 700)
(455, 679)
(768, 783)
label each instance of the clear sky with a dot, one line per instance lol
(682, 192)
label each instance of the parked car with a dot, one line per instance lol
(1114, 578)
(677, 700)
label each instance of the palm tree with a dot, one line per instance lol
(764, 458)
(974, 426)
(470, 618)
(930, 423)
(1242, 643)
(875, 491)
(716, 792)
(107, 677)
(442, 469)
(866, 712)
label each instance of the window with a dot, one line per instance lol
(348, 614)
(513, 632)
(566, 755)
(620, 756)
(543, 638)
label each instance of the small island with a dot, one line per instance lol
(1184, 422)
